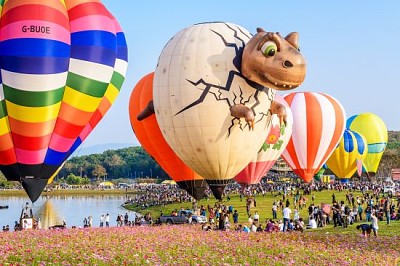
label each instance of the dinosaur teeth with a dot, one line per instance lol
(276, 83)
(284, 86)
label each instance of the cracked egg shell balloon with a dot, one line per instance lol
(318, 125)
(348, 156)
(62, 65)
(149, 135)
(374, 129)
(275, 143)
(196, 81)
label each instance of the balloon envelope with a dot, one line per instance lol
(318, 125)
(348, 155)
(149, 135)
(196, 82)
(60, 62)
(271, 149)
(375, 132)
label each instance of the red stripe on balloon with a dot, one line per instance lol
(34, 12)
(88, 9)
(31, 143)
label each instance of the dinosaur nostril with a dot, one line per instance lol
(287, 63)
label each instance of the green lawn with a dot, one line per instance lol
(264, 205)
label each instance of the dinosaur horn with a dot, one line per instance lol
(293, 39)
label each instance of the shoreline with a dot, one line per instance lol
(63, 192)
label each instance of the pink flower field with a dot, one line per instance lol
(189, 245)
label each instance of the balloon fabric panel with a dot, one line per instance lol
(271, 150)
(373, 128)
(317, 128)
(53, 90)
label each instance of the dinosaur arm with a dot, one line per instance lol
(280, 110)
(241, 111)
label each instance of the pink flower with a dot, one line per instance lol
(273, 135)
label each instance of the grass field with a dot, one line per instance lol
(264, 205)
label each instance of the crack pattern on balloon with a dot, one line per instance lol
(218, 90)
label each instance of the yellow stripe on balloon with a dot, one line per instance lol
(4, 127)
(80, 100)
(33, 114)
(111, 93)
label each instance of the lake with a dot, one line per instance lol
(53, 210)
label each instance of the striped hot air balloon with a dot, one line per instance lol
(274, 145)
(62, 65)
(149, 135)
(318, 125)
(347, 158)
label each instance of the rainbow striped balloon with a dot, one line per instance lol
(62, 65)
(318, 125)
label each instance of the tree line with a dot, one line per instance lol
(131, 162)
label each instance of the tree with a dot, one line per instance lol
(99, 171)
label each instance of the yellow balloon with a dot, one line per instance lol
(348, 155)
(375, 132)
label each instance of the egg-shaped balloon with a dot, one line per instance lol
(348, 156)
(213, 117)
(318, 125)
(149, 135)
(277, 139)
(375, 132)
(58, 60)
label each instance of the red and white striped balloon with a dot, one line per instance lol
(319, 121)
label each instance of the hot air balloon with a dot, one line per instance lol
(347, 158)
(149, 135)
(271, 149)
(318, 125)
(62, 64)
(211, 98)
(375, 132)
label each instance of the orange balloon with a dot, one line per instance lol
(149, 135)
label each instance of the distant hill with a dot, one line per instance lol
(100, 148)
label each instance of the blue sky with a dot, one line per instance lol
(352, 49)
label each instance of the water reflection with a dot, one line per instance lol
(53, 210)
(48, 215)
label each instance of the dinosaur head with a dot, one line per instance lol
(273, 61)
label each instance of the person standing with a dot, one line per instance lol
(274, 211)
(235, 217)
(107, 220)
(90, 221)
(286, 217)
(102, 220)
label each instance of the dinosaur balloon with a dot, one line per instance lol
(213, 94)
(62, 65)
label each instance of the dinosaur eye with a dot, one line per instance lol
(298, 48)
(269, 48)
